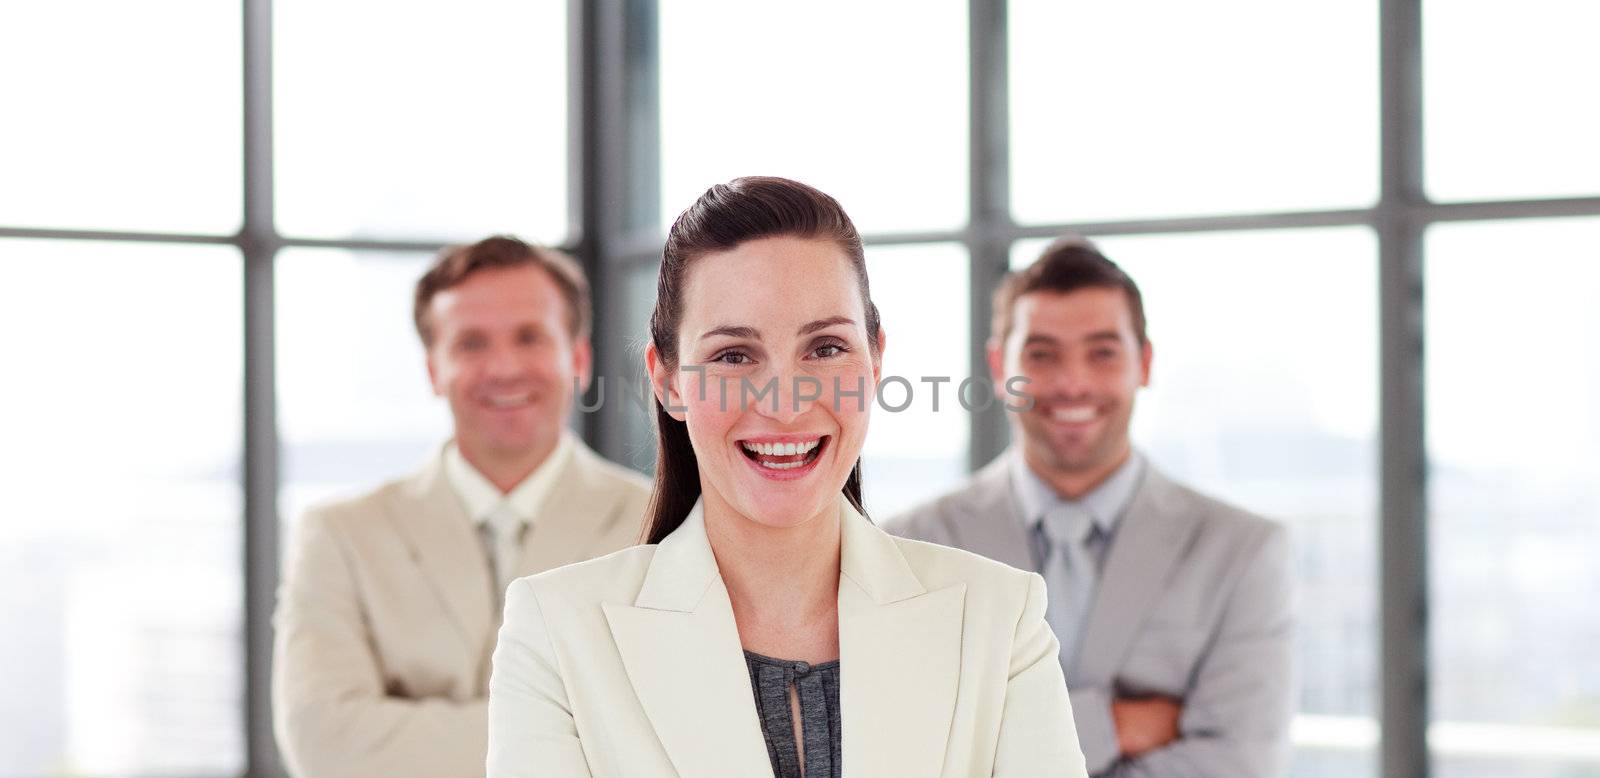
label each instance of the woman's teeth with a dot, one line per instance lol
(782, 456)
(782, 465)
(780, 449)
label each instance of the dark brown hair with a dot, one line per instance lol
(727, 215)
(1067, 265)
(456, 263)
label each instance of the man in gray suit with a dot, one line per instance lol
(1174, 610)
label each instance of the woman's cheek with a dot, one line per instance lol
(849, 396)
(711, 397)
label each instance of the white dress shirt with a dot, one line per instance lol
(490, 509)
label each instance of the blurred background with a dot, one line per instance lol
(1368, 234)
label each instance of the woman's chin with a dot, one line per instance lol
(785, 511)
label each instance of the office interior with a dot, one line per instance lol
(1366, 233)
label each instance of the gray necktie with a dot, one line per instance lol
(505, 529)
(1069, 574)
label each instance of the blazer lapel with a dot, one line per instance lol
(1148, 543)
(446, 546)
(680, 646)
(993, 522)
(575, 515)
(900, 657)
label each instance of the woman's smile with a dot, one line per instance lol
(784, 457)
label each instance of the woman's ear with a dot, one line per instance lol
(661, 383)
(877, 358)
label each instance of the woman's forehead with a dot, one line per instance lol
(773, 283)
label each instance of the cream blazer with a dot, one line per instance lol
(387, 616)
(630, 665)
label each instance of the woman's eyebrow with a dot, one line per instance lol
(822, 324)
(732, 331)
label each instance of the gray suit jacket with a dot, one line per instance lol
(1194, 601)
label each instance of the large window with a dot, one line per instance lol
(918, 444)
(355, 406)
(119, 536)
(1172, 108)
(843, 95)
(121, 116)
(1506, 119)
(421, 120)
(1514, 454)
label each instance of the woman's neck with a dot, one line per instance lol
(783, 582)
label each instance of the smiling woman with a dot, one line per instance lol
(894, 657)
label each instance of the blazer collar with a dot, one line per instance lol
(1150, 540)
(579, 512)
(899, 656)
(992, 523)
(446, 545)
(684, 567)
(899, 644)
(870, 559)
(680, 646)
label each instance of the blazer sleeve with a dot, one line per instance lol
(1235, 722)
(330, 710)
(531, 729)
(1037, 736)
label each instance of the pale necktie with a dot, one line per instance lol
(1069, 573)
(505, 539)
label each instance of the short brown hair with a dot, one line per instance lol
(456, 263)
(1067, 265)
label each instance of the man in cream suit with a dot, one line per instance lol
(388, 612)
(1174, 610)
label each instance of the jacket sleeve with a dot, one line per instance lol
(531, 729)
(1097, 731)
(331, 713)
(1235, 721)
(1037, 737)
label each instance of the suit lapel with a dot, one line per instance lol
(680, 646)
(446, 546)
(990, 523)
(900, 657)
(1150, 538)
(573, 518)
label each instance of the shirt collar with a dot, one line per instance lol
(481, 498)
(1105, 502)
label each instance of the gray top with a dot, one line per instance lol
(817, 686)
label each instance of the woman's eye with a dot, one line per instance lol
(829, 350)
(731, 358)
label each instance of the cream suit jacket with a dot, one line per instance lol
(630, 665)
(387, 617)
